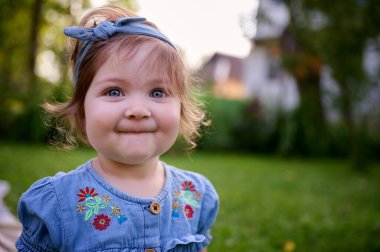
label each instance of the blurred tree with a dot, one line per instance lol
(31, 33)
(337, 34)
(310, 125)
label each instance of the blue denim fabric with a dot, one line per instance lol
(58, 216)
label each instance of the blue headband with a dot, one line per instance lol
(105, 30)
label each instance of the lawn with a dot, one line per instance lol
(267, 203)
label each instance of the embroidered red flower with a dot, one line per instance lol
(188, 186)
(189, 211)
(101, 222)
(86, 193)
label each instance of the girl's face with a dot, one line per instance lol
(130, 117)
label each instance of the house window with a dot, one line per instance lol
(274, 68)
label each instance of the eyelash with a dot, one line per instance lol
(164, 93)
(108, 91)
(120, 92)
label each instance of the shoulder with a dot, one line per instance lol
(195, 204)
(48, 185)
(188, 183)
(47, 193)
(192, 181)
(40, 210)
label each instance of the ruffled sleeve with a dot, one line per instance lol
(40, 215)
(210, 207)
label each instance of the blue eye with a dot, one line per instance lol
(114, 92)
(158, 93)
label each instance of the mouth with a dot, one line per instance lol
(135, 131)
(124, 128)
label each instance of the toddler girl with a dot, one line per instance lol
(131, 100)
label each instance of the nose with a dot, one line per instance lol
(137, 112)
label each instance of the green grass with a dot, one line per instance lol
(320, 205)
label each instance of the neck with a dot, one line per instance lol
(144, 180)
(112, 168)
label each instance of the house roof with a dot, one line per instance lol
(222, 66)
(272, 19)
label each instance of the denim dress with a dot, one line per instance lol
(79, 211)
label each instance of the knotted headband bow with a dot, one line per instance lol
(107, 29)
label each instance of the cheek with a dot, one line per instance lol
(175, 120)
(169, 118)
(89, 117)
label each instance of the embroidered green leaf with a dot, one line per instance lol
(96, 209)
(187, 197)
(193, 203)
(104, 205)
(90, 205)
(98, 199)
(89, 199)
(88, 214)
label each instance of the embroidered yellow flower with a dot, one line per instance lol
(177, 193)
(115, 210)
(197, 195)
(175, 204)
(80, 208)
(106, 198)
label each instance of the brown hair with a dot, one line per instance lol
(166, 58)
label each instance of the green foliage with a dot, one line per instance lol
(319, 205)
(29, 28)
(337, 34)
(248, 127)
(223, 115)
(254, 130)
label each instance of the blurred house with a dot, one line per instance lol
(259, 75)
(264, 77)
(226, 74)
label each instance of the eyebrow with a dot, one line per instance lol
(151, 82)
(110, 79)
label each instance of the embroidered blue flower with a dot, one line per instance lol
(121, 219)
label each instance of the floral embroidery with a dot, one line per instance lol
(98, 209)
(188, 186)
(175, 206)
(101, 222)
(189, 211)
(115, 210)
(106, 198)
(197, 195)
(177, 193)
(86, 193)
(80, 208)
(186, 200)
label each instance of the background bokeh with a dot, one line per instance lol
(296, 119)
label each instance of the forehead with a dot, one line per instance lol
(143, 57)
(147, 59)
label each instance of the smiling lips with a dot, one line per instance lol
(136, 129)
(135, 132)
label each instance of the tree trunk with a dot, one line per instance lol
(357, 150)
(33, 42)
(311, 134)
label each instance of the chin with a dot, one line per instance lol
(136, 159)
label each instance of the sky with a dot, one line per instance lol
(198, 27)
(201, 27)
